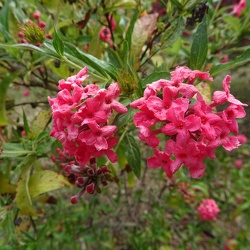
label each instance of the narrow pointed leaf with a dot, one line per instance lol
(199, 46)
(239, 60)
(4, 84)
(133, 155)
(58, 44)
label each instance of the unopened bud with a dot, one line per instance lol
(49, 36)
(33, 33)
(81, 180)
(36, 15)
(73, 200)
(105, 169)
(42, 24)
(99, 171)
(104, 182)
(90, 172)
(20, 34)
(90, 188)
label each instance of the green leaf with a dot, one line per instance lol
(177, 4)
(5, 185)
(121, 4)
(123, 119)
(23, 199)
(11, 150)
(239, 60)
(4, 84)
(202, 187)
(4, 18)
(173, 33)
(42, 144)
(114, 58)
(100, 66)
(131, 28)
(154, 77)
(39, 124)
(133, 154)
(45, 181)
(25, 123)
(233, 21)
(95, 48)
(199, 47)
(58, 44)
(42, 50)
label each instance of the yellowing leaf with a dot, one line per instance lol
(205, 90)
(23, 199)
(45, 181)
(143, 30)
(22, 224)
(39, 123)
(5, 186)
(131, 179)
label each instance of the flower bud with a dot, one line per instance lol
(105, 169)
(81, 180)
(42, 24)
(90, 188)
(33, 33)
(90, 172)
(36, 15)
(73, 200)
(104, 182)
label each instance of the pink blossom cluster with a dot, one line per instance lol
(174, 110)
(238, 8)
(208, 210)
(81, 118)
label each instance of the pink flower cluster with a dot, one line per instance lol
(81, 118)
(208, 210)
(238, 8)
(174, 110)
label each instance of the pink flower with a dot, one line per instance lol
(161, 159)
(97, 135)
(36, 15)
(26, 93)
(238, 164)
(190, 156)
(220, 97)
(105, 35)
(242, 138)
(113, 24)
(238, 8)
(81, 115)
(208, 210)
(179, 124)
(42, 24)
(177, 109)
(107, 99)
(49, 36)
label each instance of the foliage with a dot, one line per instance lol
(134, 43)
